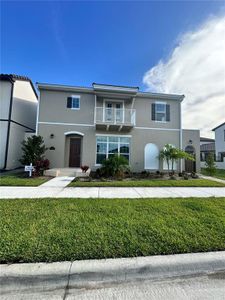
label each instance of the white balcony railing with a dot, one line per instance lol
(116, 116)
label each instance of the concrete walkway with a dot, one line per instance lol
(57, 188)
(171, 276)
(212, 178)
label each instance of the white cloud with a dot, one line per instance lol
(196, 68)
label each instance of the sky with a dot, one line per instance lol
(160, 46)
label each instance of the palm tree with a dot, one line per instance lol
(172, 154)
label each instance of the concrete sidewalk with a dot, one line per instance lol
(109, 192)
(57, 188)
(75, 280)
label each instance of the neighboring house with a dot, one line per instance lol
(207, 146)
(220, 141)
(84, 126)
(18, 100)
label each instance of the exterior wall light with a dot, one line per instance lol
(51, 135)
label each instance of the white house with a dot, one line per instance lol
(220, 144)
(18, 101)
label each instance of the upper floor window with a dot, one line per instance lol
(160, 112)
(73, 102)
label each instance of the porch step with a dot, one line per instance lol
(74, 172)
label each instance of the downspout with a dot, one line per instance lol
(37, 118)
(9, 123)
(181, 133)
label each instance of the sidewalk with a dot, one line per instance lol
(110, 192)
(63, 280)
(57, 188)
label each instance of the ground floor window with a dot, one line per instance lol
(110, 145)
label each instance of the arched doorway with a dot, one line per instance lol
(74, 148)
(151, 157)
(190, 166)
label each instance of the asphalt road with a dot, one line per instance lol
(211, 286)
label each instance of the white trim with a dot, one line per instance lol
(95, 109)
(181, 139)
(73, 132)
(36, 130)
(114, 88)
(166, 129)
(71, 124)
(117, 135)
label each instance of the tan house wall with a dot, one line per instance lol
(56, 119)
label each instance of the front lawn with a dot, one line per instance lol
(149, 183)
(34, 230)
(220, 173)
(20, 180)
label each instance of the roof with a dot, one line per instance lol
(218, 126)
(13, 77)
(98, 88)
(205, 139)
(207, 147)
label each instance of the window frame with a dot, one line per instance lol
(160, 112)
(107, 147)
(73, 98)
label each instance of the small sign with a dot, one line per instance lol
(29, 169)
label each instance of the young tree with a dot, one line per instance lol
(210, 165)
(33, 150)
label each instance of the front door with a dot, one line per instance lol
(75, 149)
(190, 166)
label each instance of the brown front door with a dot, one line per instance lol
(75, 147)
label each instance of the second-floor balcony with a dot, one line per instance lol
(120, 119)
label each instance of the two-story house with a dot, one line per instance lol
(220, 141)
(18, 110)
(84, 126)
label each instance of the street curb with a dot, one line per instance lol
(88, 273)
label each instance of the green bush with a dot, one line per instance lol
(210, 165)
(116, 166)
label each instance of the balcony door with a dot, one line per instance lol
(114, 112)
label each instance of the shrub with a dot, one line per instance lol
(115, 165)
(84, 168)
(33, 152)
(210, 165)
(40, 166)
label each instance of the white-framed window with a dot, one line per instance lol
(110, 145)
(160, 112)
(75, 103)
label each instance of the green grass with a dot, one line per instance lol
(18, 180)
(34, 230)
(220, 173)
(149, 183)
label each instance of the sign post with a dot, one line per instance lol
(29, 169)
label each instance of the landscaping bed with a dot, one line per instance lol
(146, 183)
(22, 179)
(72, 229)
(219, 173)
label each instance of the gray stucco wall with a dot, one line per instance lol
(192, 137)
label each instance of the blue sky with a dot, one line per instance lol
(83, 42)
